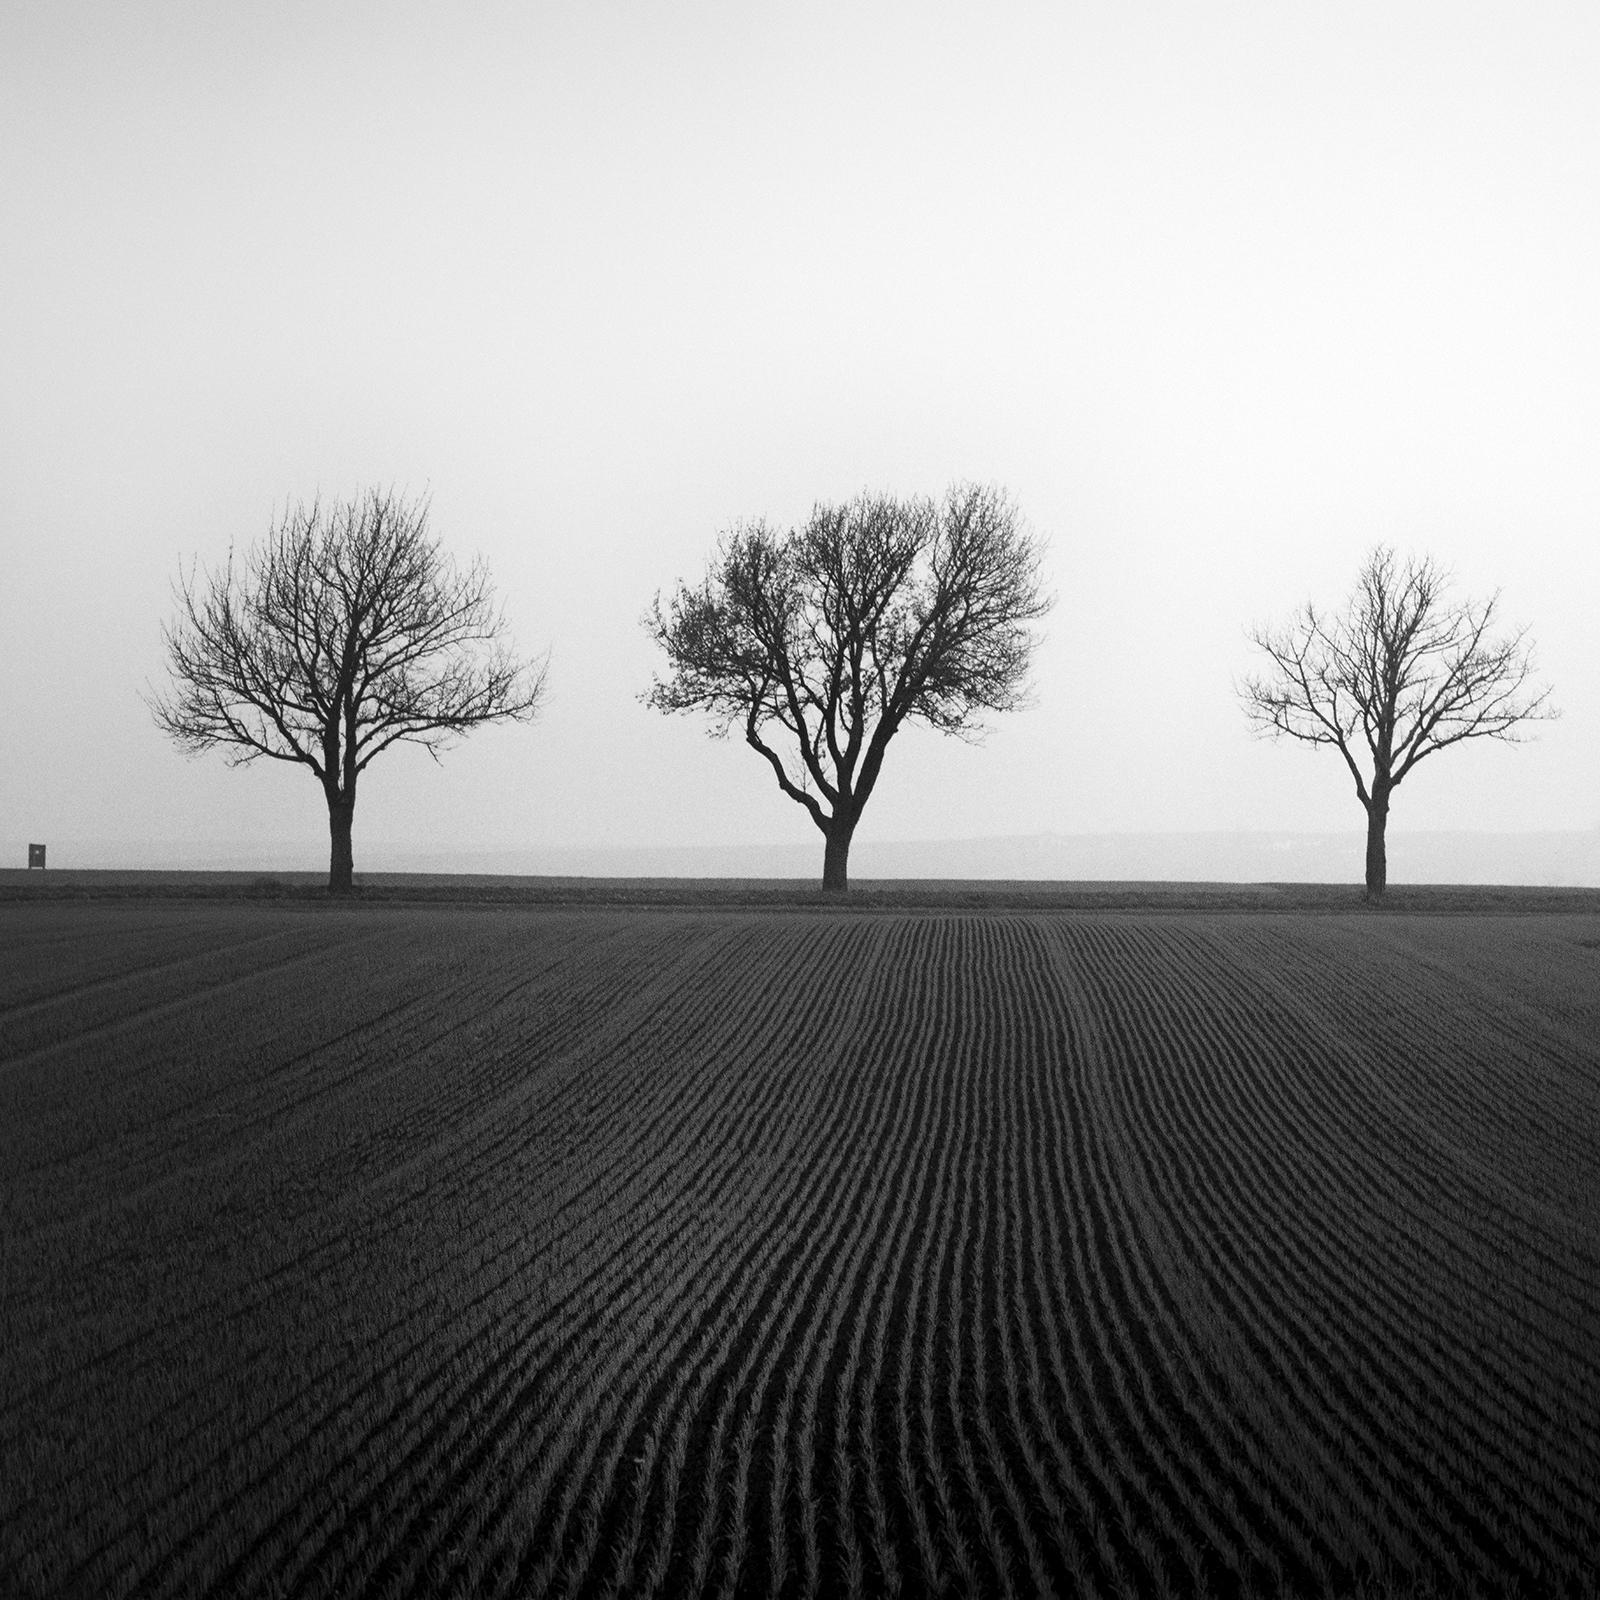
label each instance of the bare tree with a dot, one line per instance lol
(1403, 672)
(826, 640)
(345, 631)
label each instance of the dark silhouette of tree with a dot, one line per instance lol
(1403, 672)
(826, 640)
(345, 631)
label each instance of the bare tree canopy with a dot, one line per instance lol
(1402, 672)
(821, 643)
(347, 630)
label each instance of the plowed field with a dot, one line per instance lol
(408, 1250)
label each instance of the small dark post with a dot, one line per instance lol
(35, 857)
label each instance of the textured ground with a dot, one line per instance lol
(394, 1247)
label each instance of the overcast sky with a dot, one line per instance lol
(1222, 294)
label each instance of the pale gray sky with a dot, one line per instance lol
(1222, 294)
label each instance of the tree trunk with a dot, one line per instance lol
(836, 858)
(341, 859)
(1377, 859)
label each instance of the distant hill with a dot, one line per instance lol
(1569, 858)
(1542, 858)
